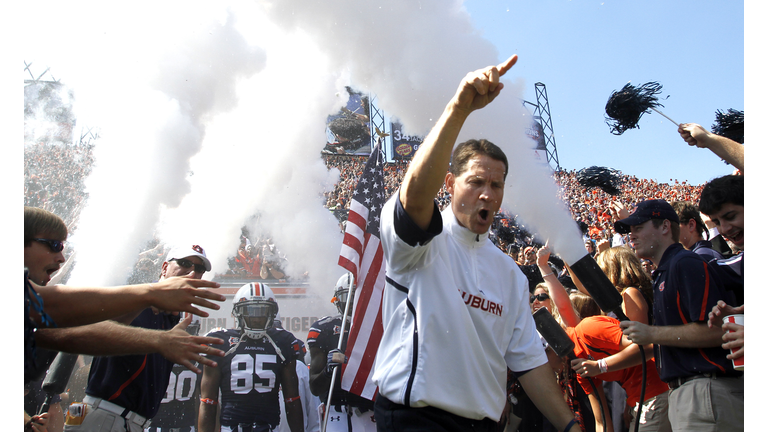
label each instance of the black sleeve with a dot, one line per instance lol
(719, 244)
(518, 374)
(409, 232)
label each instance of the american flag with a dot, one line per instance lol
(362, 255)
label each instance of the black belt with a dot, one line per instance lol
(250, 427)
(677, 382)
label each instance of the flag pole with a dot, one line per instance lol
(350, 299)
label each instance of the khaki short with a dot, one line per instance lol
(99, 420)
(654, 416)
(708, 404)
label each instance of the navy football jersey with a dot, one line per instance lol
(324, 335)
(251, 375)
(179, 406)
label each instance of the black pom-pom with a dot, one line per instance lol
(626, 106)
(350, 129)
(583, 227)
(730, 124)
(607, 179)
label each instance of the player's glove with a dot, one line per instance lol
(332, 362)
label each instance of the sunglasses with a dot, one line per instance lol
(183, 262)
(54, 245)
(540, 297)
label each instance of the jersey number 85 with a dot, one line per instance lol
(248, 372)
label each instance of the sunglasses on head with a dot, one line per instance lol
(183, 262)
(54, 245)
(540, 297)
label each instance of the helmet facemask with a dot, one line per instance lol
(340, 297)
(341, 292)
(254, 309)
(254, 317)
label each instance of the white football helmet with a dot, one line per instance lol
(254, 308)
(341, 292)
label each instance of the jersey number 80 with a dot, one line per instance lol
(248, 372)
(176, 386)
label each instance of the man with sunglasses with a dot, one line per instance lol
(73, 310)
(42, 257)
(61, 317)
(125, 392)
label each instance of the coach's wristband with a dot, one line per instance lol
(570, 425)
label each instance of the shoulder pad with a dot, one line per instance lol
(215, 330)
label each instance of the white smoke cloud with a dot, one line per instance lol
(210, 113)
(413, 56)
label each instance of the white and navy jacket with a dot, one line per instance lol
(455, 315)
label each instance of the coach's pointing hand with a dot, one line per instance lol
(479, 88)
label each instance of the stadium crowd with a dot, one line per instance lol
(590, 207)
(54, 175)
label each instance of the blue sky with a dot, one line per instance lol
(584, 50)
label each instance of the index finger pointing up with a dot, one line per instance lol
(507, 65)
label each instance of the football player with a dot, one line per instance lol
(259, 359)
(178, 409)
(348, 411)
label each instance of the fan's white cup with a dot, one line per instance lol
(738, 363)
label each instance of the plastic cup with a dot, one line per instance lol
(738, 363)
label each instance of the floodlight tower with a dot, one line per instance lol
(541, 115)
(39, 79)
(378, 122)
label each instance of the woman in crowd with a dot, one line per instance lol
(626, 273)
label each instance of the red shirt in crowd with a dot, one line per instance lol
(598, 337)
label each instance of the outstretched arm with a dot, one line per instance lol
(725, 148)
(428, 168)
(72, 306)
(111, 338)
(556, 289)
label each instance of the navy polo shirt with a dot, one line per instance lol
(704, 248)
(685, 288)
(733, 276)
(135, 382)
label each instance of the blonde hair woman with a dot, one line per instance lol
(625, 271)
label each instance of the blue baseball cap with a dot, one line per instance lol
(646, 210)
